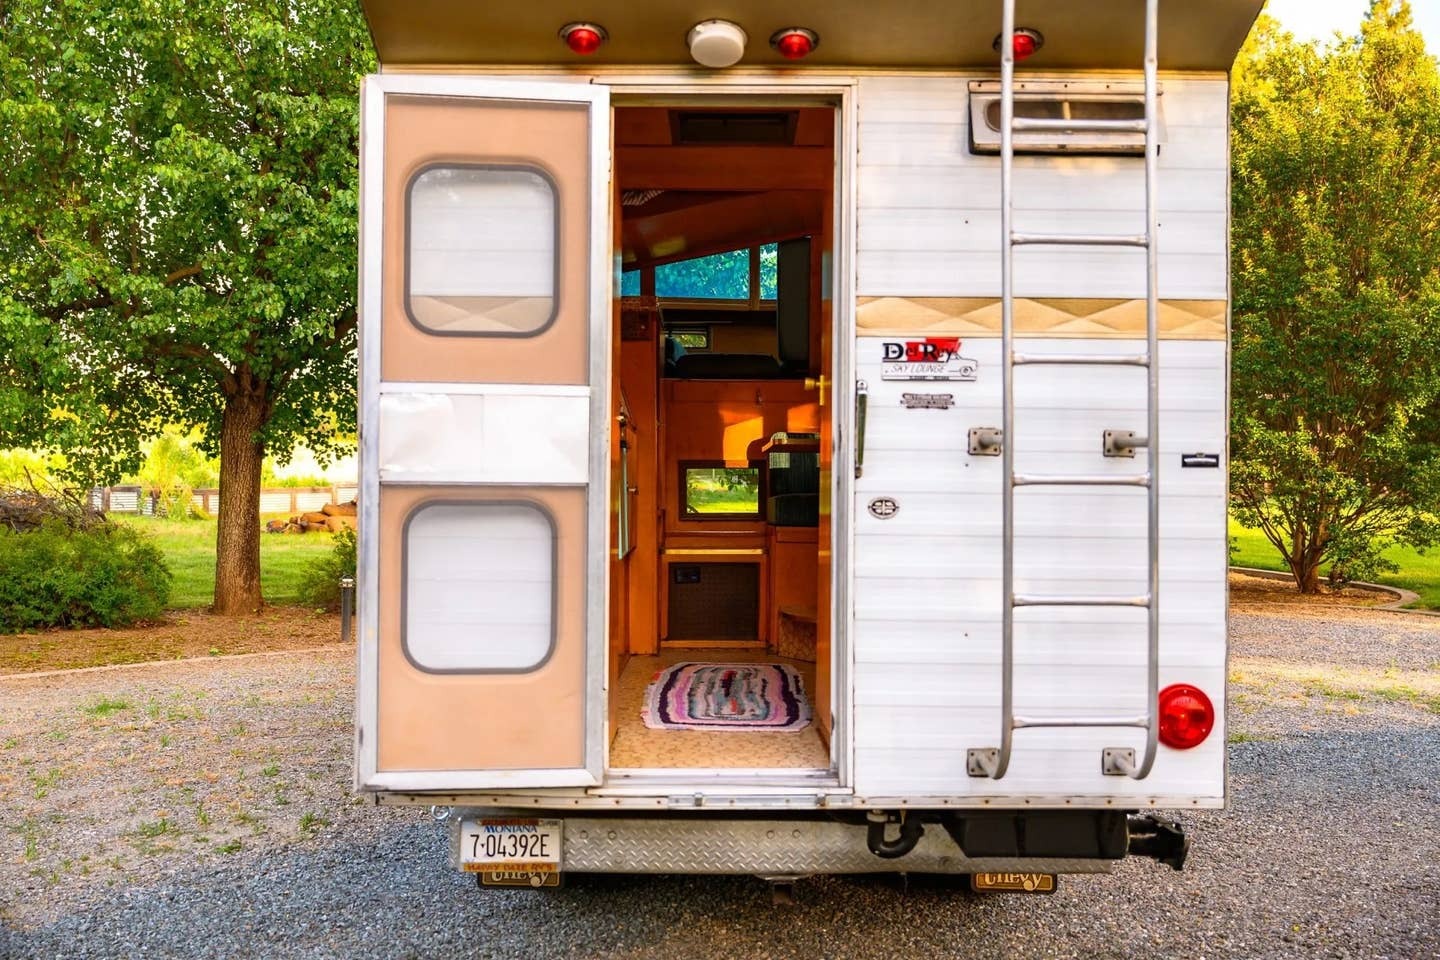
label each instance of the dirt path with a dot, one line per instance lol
(187, 633)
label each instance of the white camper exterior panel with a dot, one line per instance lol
(928, 590)
(927, 579)
(929, 209)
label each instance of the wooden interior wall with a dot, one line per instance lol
(640, 377)
(618, 650)
(723, 420)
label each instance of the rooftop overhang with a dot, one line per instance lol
(1199, 35)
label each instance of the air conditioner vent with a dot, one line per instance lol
(740, 128)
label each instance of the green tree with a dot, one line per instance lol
(177, 236)
(1336, 251)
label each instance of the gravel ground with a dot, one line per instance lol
(1331, 847)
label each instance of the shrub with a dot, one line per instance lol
(320, 583)
(100, 575)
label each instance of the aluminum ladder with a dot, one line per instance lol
(993, 762)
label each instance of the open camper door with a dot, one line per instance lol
(485, 370)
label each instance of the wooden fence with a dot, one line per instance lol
(135, 499)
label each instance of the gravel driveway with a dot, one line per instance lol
(203, 809)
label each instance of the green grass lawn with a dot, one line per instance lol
(189, 548)
(1418, 572)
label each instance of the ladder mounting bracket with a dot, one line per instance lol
(980, 761)
(986, 441)
(1117, 761)
(1121, 443)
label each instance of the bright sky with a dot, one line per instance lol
(1319, 19)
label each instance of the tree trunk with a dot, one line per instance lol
(237, 545)
(1307, 575)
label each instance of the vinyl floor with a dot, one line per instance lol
(637, 746)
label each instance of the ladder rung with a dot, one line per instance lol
(1080, 239)
(1141, 722)
(1058, 480)
(1038, 124)
(1085, 359)
(1056, 600)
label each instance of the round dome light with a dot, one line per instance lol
(717, 43)
(794, 43)
(583, 38)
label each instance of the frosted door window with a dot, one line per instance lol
(482, 251)
(479, 587)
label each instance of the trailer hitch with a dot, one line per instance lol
(1160, 838)
(911, 830)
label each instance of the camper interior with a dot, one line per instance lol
(720, 469)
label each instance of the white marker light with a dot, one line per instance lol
(717, 43)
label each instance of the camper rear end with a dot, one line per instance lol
(799, 467)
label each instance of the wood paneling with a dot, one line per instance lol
(639, 375)
(737, 168)
(1090, 319)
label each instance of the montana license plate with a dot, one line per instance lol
(1013, 882)
(511, 845)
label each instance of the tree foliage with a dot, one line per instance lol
(177, 235)
(1336, 341)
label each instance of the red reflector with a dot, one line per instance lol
(583, 38)
(1186, 716)
(794, 43)
(1027, 42)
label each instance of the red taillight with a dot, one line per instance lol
(1027, 41)
(583, 38)
(1186, 716)
(795, 43)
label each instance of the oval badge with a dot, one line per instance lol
(883, 508)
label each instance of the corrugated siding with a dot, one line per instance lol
(927, 636)
(929, 211)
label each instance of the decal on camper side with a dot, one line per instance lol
(927, 401)
(883, 508)
(932, 358)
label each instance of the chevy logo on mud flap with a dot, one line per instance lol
(934, 358)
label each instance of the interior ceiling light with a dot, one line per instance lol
(1027, 41)
(795, 43)
(717, 43)
(583, 38)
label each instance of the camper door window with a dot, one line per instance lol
(482, 250)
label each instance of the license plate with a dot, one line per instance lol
(509, 846)
(1013, 882)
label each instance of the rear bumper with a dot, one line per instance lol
(771, 845)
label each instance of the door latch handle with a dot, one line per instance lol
(862, 404)
(819, 384)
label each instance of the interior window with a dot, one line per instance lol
(769, 270)
(714, 490)
(720, 276)
(630, 283)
